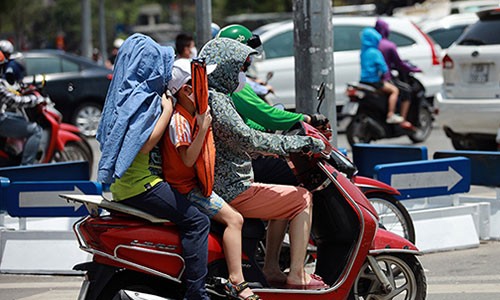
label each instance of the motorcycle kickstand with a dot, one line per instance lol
(386, 285)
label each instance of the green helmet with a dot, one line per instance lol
(235, 32)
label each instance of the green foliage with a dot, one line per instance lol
(36, 24)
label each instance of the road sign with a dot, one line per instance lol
(41, 198)
(367, 156)
(427, 178)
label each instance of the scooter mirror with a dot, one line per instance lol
(321, 96)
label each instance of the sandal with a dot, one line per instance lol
(316, 283)
(234, 291)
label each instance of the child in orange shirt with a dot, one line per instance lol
(181, 149)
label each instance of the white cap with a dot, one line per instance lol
(181, 73)
(118, 43)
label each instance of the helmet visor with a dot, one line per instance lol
(254, 42)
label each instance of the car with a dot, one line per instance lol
(469, 104)
(77, 85)
(278, 45)
(445, 31)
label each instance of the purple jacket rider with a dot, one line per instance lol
(390, 52)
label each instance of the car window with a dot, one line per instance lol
(485, 32)
(401, 40)
(346, 38)
(42, 65)
(446, 37)
(49, 65)
(280, 45)
(69, 66)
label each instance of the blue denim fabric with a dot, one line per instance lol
(15, 126)
(164, 202)
(133, 104)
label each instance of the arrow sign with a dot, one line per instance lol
(427, 178)
(47, 199)
(447, 178)
(41, 198)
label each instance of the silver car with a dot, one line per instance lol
(413, 45)
(469, 105)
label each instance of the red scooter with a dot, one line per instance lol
(134, 251)
(60, 141)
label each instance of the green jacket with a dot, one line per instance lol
(259, 115)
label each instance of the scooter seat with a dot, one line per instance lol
(94, 202)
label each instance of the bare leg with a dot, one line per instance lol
(231, 242)
(299, 231)
(275, 234)
(393, 92)
(405, 107)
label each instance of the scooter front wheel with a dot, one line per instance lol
(404, 272)
(75, 151)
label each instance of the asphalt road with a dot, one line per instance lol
(458, 275)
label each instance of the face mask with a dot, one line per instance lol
(242, 79)
(193, 52)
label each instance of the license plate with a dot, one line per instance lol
(350, 108)
(479, 73)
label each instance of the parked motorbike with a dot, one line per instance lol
(368, 109)
(60, 141)
(135, 251)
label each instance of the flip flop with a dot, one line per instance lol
(316, 283)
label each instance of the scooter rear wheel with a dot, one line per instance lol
(393, 215)
(356, 132)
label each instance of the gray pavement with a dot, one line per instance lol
(458, 275)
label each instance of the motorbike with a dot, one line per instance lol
(368, 109)
(138, 256)
(60, 141)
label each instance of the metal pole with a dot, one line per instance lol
(86, 29)
(203, 22)
(313, 40)
(102, 32)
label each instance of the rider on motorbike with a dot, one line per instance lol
(374, 72)
(234, 140)
(394, 62)
(15, 126)
(136, 113)
(259, 115)
(14, 71)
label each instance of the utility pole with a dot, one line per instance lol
(203, 22)
(313, 43)
(102, 32)
(86, 29)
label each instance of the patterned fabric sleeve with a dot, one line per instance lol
(229, 126)
(13, 100)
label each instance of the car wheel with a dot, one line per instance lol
(86, 117)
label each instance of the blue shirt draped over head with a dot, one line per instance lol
(133, 104)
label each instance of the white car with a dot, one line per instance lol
(469, 105)
(413, 45)
(445, 31)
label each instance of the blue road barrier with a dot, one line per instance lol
(32, 191)
(427, 178)
(367, 156)
(485, 165)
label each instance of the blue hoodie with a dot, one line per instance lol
(373, 65)
(133, 104)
